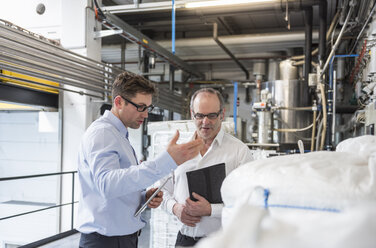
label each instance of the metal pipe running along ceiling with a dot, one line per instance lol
(292, 5)
(128, 32)
(25, 54)
(22, 52)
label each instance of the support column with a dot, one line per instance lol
(308, 42)
(171, 88)
(77, 111)
(123, 46)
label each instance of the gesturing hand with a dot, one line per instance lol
(183, 152)
(157, 200)
(201, 207)
(185, 218)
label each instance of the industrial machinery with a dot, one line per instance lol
(322, 104)
(283, 111)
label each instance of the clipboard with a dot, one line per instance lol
(207, 182)
(143, 207)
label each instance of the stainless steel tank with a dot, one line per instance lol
(273, 70)
(265, 133)
(287, 71)
(289, 94)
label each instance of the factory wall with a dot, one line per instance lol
(64, 21)
(24, 14)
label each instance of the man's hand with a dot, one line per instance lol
(183, 152)
(179, 211)
(197, 208)
(157, 200)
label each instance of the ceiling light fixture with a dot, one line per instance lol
(214, 3)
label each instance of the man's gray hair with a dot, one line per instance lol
(211, 91)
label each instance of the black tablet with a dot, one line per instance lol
(207, 182)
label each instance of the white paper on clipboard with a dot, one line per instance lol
(143, 207)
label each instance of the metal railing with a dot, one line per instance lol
(46, 208)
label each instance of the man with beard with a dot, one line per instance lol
(200, 217)
(112, 182)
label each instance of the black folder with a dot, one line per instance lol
(207, 182)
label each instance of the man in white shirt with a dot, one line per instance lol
(200, 217)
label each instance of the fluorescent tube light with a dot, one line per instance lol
(213, 3)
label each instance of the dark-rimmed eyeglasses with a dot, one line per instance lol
(211, 116)
(140, 108)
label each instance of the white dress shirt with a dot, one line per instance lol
(224, 149)
(112, 183)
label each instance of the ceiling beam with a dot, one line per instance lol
(135, 36)
(293, 5)
(142, 7)
(229, 30)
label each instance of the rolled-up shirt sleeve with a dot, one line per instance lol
(168, 196)
(216, 210)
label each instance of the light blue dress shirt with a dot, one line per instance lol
(112, 184)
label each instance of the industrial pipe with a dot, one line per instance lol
(333, 131)
(215, 37)
(319, 131)
(171, 88)
(337, 41)
(162, 6)
(322, 31)
(2, 76)
(328, 33)
(293, 130)
(172, 69)
(324, 120)
(332, 52)
(235, 109)
(331, 94)
(313, 127)
(363, 28)
(308, 41)
(296, 108)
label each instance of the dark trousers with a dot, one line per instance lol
(183, 240)
(96, 240)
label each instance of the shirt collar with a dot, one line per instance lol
(116, 122)
(218, 138)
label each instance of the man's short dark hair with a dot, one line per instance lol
(128, 85)
(209, 90)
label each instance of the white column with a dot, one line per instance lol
(78, 24)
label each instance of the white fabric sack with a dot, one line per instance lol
(254, 227)
(323, 180)
(363, 146)
(319, 199)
